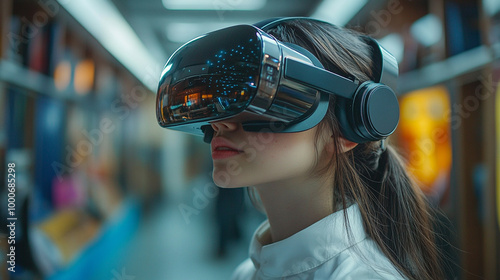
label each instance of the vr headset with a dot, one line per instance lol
(244, 74)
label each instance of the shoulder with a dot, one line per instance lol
(363, 261)
(244, 271)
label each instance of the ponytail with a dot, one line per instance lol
(394, 210)
(400, 220)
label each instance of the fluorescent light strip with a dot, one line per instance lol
(181, 32)
(338, 12)
(222, 5)
(103, 20)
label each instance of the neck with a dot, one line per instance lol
(294, 205)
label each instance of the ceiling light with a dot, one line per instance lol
(491, 7)
(427, 30)
(214, 5)
(103, 20)
(181, 32)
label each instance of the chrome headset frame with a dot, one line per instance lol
(294, 91)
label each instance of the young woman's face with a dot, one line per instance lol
(243, 158)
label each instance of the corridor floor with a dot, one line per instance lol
(169, 246)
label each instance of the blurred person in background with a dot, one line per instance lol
(228, 210)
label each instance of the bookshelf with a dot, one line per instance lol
(29, 80)
(463, 64)
(68, 126)
(465, 60)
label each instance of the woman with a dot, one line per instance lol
(336, 209)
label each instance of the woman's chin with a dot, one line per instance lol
(227, 185)
(224, 180)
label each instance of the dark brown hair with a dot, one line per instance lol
(395, 212)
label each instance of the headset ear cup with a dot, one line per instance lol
(378, 114)
(371, 115)
(344, 114)
(349, 114)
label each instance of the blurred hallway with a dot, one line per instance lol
(79, 132)
(166, 247)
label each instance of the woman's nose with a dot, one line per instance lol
(224, 126)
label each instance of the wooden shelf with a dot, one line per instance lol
(20, 76)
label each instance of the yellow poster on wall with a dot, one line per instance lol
(424, 137)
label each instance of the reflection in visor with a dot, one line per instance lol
(213, 76)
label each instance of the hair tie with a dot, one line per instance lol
(383, 145)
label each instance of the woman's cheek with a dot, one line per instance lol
(251, 154)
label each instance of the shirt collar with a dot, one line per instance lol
(307, 248)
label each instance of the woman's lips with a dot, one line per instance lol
(223, 148)
(221, 154)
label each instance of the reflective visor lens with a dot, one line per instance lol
(214, 76)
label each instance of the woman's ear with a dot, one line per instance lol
(346, 145)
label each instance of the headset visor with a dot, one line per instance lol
(211, 77)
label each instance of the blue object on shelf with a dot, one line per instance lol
(102, 257)
(462, 22)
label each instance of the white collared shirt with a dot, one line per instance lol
(323, 250)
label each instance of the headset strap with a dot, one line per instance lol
(386, 71)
